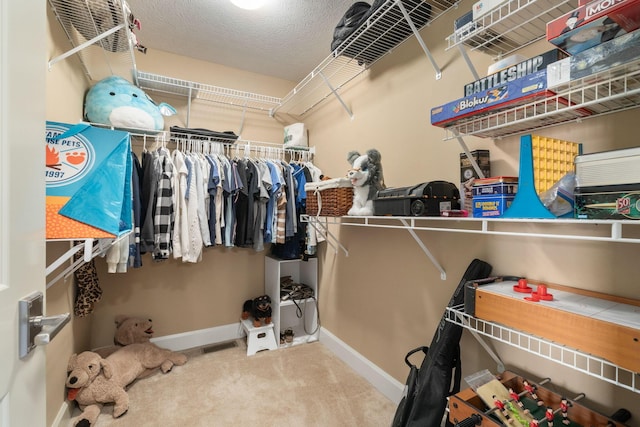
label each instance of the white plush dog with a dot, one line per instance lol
(367, 178)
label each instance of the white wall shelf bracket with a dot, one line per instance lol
(91, 247)
(336, 94)
(466, 58)
(465, 148)
(574, 359)
(424, 47)
(84, 45)
(322, 229)
(434, 261)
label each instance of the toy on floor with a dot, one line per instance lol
(91, 384)
(259, 308)
(115, 102)
(367, 179)
(93, 381)
(129, 330)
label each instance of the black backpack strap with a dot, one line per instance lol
(425, 350)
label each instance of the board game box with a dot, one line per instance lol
(616, 52)
(510, 93)
(594, 23)
(511, 73)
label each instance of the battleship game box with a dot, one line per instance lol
(513, 72)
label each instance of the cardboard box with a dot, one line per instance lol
(464, 25)
(618, 51)
(608, 202)
(594, 23)
(88, 182)
(495, 186)
(491, 206)
(468, 175)
(513, 72)
(483, 7)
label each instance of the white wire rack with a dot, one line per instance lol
(205, 92)
(575, 359)
(610, 91)
(511, 26)
(99, 32)
(389, 26)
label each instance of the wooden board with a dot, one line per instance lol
(593, 323)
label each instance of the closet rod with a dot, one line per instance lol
(263, 149)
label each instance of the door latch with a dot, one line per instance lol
(35, 328)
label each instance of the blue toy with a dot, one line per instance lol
(115, 102)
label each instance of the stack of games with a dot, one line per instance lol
(493, 196)
(594, 23)
(468, 175)
(514, 85)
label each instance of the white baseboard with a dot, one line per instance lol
(382, 381)
(199, 338)
(63, 417)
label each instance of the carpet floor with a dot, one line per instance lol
(304, 386)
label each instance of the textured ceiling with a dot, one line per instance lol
(285, 38)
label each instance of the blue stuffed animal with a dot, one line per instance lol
(115, 102)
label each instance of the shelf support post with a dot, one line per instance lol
(468, 153)
(463, 52)
(419, 38)
(443, 274)
(84, 45)
(189, 104)
(333, 90)
(315, 223)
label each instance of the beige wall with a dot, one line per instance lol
(66, 85)
(386, 297)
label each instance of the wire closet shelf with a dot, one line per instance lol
(566, 356)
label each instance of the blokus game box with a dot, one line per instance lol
(508, 94)
(594, 23)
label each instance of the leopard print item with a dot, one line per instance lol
(88, 290)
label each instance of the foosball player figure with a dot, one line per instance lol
(516, 398)
(531, 389)
(549, 416)
(534, 423)
(502, 407)
(564, 408)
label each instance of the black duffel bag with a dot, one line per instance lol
(349, 22)
(438, 377)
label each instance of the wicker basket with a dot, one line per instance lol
(332, 197)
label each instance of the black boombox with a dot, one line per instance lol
(426, 199)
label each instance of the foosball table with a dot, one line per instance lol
(511, 400)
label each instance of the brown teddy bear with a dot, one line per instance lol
(129, 330)
(93, 381)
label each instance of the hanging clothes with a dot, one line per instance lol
(192, 198)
